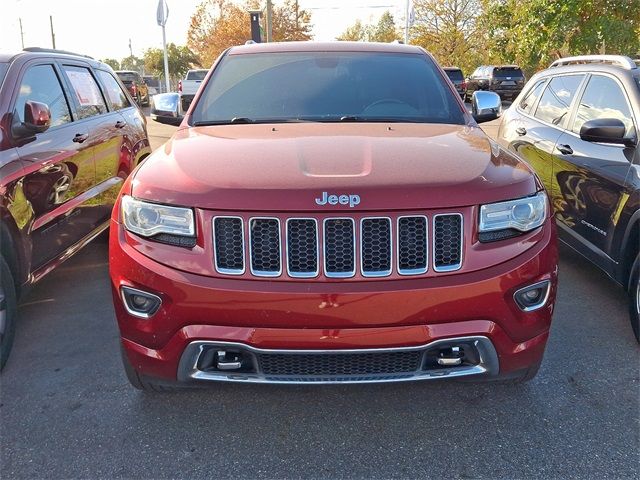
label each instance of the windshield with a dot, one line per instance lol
(197, 74)
(327, 86)
(503, 72)
(127, 77)
(455, 75)
(3, 71)
(151, 81)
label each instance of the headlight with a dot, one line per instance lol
(148, 219)
(523, 215)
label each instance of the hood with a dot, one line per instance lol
(284, 167)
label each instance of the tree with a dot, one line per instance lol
(179, 58)
(536, 32)
(219, 24)
(355, 33)
(132, 63)
(384, 31)
(112, 62)
(450, 30)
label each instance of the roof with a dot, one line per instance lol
(336, 46)
(451, 68)
(36, 52)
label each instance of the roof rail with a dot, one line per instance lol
(617, 60)
(53, 50)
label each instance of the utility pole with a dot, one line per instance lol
(406, 23)
(297, 22)
(269, 21)
(162, 14)
(21, 33)
(130, 49)
(53, 35)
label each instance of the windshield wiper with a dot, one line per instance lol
(245, 120)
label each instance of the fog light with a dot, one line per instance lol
(533, 297)
(138, 303)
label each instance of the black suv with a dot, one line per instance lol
(505, 80)
(577, 124)
(70, 135)
(457, 78)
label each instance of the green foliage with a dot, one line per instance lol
(112, 62)
(132, 63)
(533, 33)
(450, 30)
(384, 31)
(179, 58)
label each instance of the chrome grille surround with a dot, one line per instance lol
(299, 273)
(338, 273)
(188, 368)
(216, 256)
(329, 247)
(399, 261)
(387, 245)
(258, 244)
(447, 266)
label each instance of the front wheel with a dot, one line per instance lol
(634, 298)
(8, 312)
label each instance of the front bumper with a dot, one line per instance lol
(339, 317)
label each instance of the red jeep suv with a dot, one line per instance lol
(330, 213)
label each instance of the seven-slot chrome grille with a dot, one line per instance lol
(338, 247)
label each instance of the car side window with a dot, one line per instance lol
(86, 90)
(116, 97)
(41, 84)
(527, 103)
(556, 100)
(603, 98)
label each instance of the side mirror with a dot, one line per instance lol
(37, 119)
(605, 130)
(166, 106)
(485, 106)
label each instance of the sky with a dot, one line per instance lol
(102, 28)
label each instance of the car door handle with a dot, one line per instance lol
(565, 149)
(80, 137)
(521, 131)
(121, 124)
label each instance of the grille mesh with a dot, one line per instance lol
(339, 247)
(447, 232)
(265, 246)
(302, 245)
(412, 245)
(229, 244)
(331, 364)
(376, 246)
(411, 239)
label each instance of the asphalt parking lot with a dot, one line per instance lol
(67, 410)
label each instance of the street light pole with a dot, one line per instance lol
(53, 35)
(21, 33)
(406, 24)
(162, 14)
(269, 21)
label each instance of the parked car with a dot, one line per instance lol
(577, 124)
(457, 78)
(188, 87)
(136, 85)
(331, 213)
(153, 85)
(69, 136)
(506, 80)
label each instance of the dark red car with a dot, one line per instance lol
(69, 136)
(330, 213)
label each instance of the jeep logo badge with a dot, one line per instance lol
(351, 200)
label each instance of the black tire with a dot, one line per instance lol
(8, 312)
(634, 298)
(143, 383)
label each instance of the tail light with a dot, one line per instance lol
(134, 89)
(464, 85)
(180, 86)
